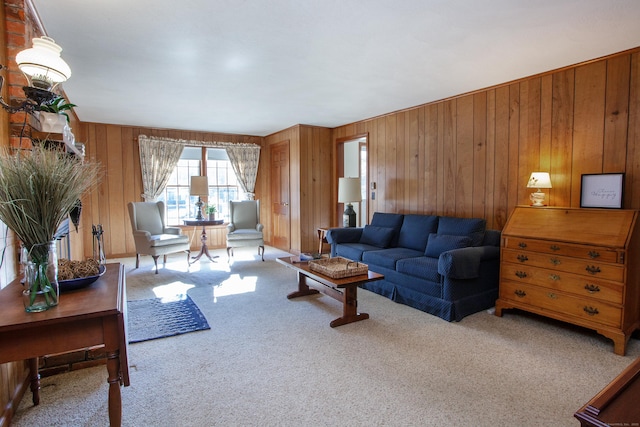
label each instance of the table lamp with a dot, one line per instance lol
(199, 186)
(349, 191)
(538, 180)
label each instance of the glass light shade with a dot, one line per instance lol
(539, 180)
(42, 64)
(199, 186)
(349, 190)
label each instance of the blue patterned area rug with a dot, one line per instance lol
(150, 319)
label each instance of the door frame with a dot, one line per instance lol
(339, 171)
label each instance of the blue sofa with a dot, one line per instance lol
(445, 266)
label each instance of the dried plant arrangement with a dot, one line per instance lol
(38, 188)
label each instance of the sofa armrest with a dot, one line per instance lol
(172, 230)
(465, 263)
(230, 227)
(344, 235)
(259, 227)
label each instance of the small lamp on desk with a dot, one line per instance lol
(538, 180)
(349, 191)
(199, 186)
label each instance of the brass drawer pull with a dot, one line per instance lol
(591, 311)
(554, 247)
(522, 245)
(523, 258)
(592, 289)
(593, 269)
(554, 261)
(521, 274)
(593, 254)
(552, 295)
(519, 293)
(554, 277)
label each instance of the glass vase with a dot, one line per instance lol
(41, 290)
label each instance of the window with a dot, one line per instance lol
(223, 184)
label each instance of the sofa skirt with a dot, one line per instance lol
(451, 311)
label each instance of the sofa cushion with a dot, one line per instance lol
(377, 236)
(472, 227)
(388, 257)
(439, 243)
(388, 220)
(415, 231)
(422, 266)
(353, 251)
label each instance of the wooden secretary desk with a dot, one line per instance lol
(580, 266)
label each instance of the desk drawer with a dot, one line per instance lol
(584, 308)
(592, 269)
(594, 253)
(579, 285)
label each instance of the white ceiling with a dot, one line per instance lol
(259, 66)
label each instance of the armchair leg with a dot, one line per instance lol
(155, 261)
(229, 253)
(261, 252)
(137, 260)
(188, 251)
(164, 259)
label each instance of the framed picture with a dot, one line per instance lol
(602, 190)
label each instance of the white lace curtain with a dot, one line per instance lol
(159, 158)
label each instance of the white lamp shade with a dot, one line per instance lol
(349, 190)
(539, 180)
(199, 186)
(42, 62)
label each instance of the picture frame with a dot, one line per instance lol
(602, 190)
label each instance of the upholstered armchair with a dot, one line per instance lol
(244, 228)
(152, 236)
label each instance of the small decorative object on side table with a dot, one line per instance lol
(211, 212)
(204, 250)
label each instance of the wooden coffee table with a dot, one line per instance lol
(344, 290)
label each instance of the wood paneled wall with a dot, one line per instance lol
(116, 149)
(471, 155)
(310, 182)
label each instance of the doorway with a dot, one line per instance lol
(352, 162)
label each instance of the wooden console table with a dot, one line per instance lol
(87, 317)
(617, 403)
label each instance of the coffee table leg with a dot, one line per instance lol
(303, 288)
(349, 308)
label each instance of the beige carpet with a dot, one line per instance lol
(269, 361)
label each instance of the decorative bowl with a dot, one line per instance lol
(73, 284)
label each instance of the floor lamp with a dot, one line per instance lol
(348, 192)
